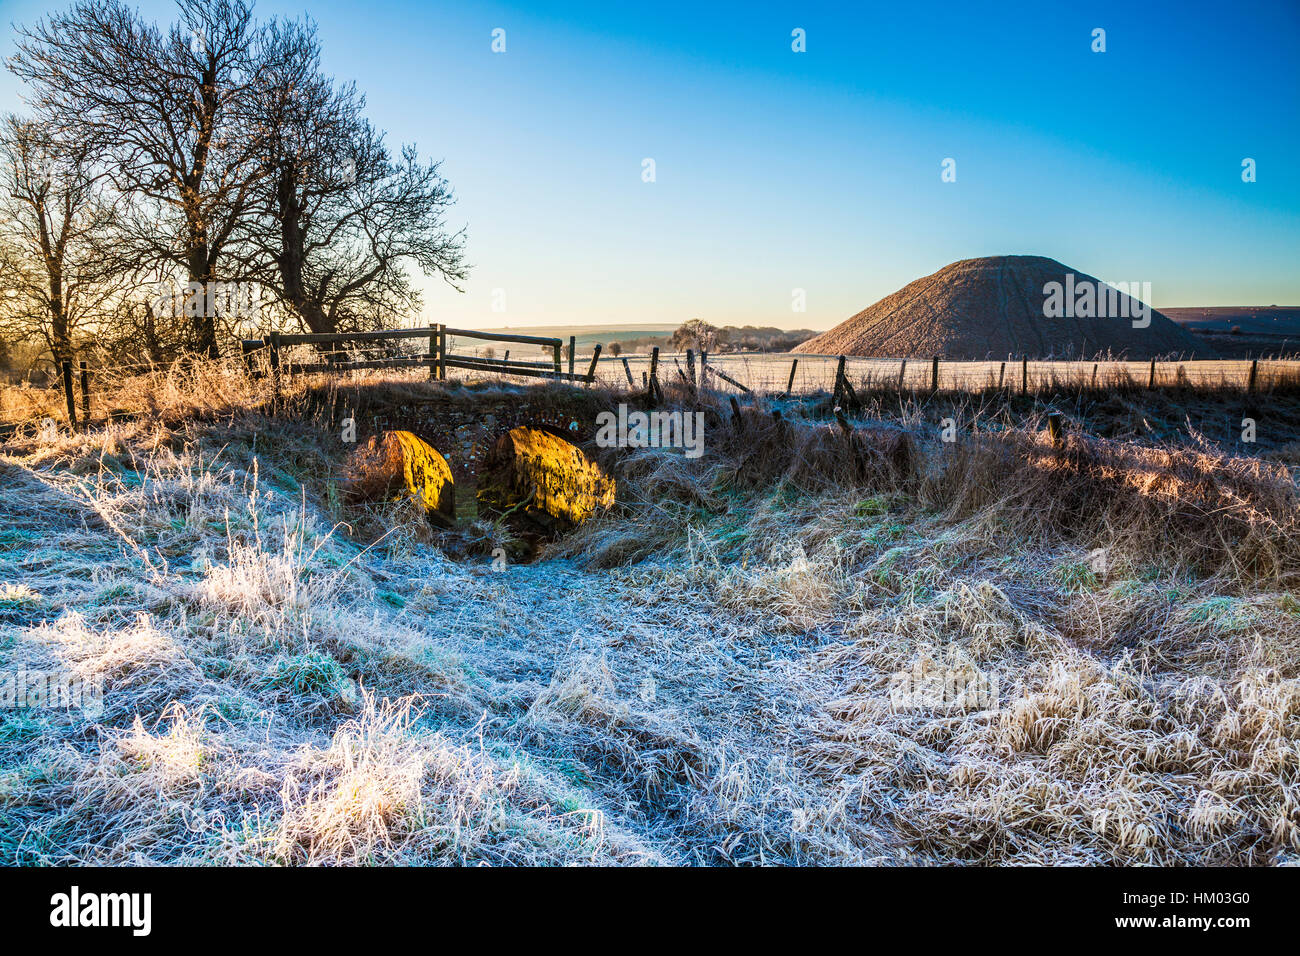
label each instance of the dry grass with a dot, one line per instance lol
(708, 674)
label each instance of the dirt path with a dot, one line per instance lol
(638, 687)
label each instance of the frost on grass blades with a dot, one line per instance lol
(25, 689)
(930, 686)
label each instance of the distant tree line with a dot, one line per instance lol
(174, 185)
(701, 336)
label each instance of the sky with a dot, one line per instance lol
(821, 170)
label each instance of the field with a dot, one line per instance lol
(1250, 319)
(770, 373)
(589, 335)
(1241, 332)
(751, 659)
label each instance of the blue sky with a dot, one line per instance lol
(820, 171)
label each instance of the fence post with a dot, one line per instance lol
(433, 350)
(1002, 373)
(85, 393)
(850, 393)
(442, 352)
(573, 346)
(704, 368)
(67, 392)
(1054, 429)
(274, 360)
(1254, 372)
(653, 379)
(934, 375)
(902, 374)
(1094, 374)
(556, 361)
(1151, 381)
(839, 378)
(690, 364)
(789, 385)
(627, 370)
(1024, 375)
(591, 369)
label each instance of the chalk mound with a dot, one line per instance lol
(1009, 306)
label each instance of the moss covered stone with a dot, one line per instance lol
(532, 474)
(393, 464)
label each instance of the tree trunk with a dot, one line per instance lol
(290, 261)
(60, 332)
(203, 326)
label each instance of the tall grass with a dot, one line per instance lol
(706, 674)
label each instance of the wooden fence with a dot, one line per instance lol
(844, 376)
(768, 373)
(436, 358)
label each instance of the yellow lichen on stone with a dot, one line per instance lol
(426, 473)
(546, 478)
(398, 463)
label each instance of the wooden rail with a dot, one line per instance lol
(437, 359)
(1252, 377)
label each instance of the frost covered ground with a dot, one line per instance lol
(710, 674)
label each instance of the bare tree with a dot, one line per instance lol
(52, 210)
(136, 331)
(340, 219)
(6, 358)
(695, 332)
(169, 111)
